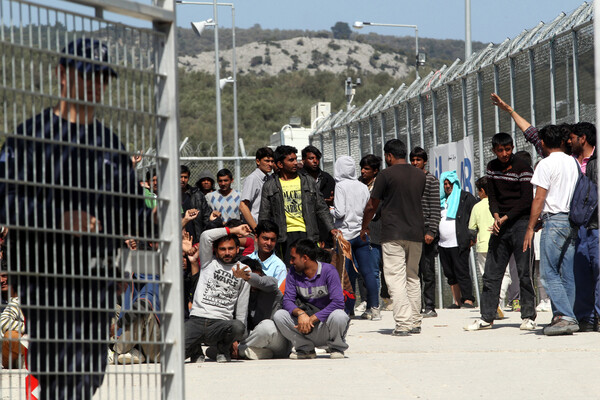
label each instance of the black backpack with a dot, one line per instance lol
(584, 201)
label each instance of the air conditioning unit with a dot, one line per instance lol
(319, 110)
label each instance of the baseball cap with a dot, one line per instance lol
(87, 48)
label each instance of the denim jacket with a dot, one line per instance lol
(313, 207)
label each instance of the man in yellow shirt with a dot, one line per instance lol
(294, 203)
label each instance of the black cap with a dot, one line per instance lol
(91, 49)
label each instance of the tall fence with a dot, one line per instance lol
(92, 260)
(545, 73)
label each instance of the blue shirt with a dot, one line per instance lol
(272, 266)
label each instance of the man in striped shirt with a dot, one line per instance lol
(510, 195)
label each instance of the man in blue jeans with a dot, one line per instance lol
(349, 203)
(555, 178)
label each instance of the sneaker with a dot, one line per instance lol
(387, 305)
(400, 332)
(415, 330)
(336, 354)
(499, 313)
(361, 308)
(587, 326)
(197, 357)
(544, 306)
(528, 325)
(257, 353)
(110, 357)
(133, 357)
(561, 326)
(478, 325)
(303, 355)
(372, 313)
(223, 358)
(516, 305)
(429, 314)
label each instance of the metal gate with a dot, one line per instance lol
(92, 257)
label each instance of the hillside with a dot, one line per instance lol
(311, 54)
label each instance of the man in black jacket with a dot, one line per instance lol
(455, 238)
(193, 198)
(292, 200)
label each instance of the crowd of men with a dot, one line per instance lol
(274, 271)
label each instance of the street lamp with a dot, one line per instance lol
(198, 27)
(234, 81)
(420, 57)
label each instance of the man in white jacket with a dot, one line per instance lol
(218, 296)
(351, 197)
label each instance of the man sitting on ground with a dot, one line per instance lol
(264, 340)
(267, 234)
(313, 305)
(218, 295)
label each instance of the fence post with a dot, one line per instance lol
(396, 127)
(480, 124)
(575, 75)
(434, 116)
(449, 105)
(382, 124)
(513, 90)
(348, 139)
(360, 138)
(465, 118)
(408, 125)
(333, 145)
(422, 121)
(552, 83)
(496, 90)
(172, 363)
(371, 136)
(322, 141)
(532, 104)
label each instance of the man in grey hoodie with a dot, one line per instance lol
(351, 197)
(218, 296)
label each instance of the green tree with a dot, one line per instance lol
(341, 30)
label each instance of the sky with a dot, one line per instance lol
(492, 21)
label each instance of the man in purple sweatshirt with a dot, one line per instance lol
(313, 305)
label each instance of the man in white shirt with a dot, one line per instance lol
(555, 178)
(252, 189)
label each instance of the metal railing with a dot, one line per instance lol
(94, 268)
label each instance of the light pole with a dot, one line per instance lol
(419, 58)
(234, 81)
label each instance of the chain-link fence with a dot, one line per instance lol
(545, 73)
(92, 261)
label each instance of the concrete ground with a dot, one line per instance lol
(443, 362)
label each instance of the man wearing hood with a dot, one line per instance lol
(351, 197)
(206, 182)
(455, 238)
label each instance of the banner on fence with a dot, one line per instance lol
(455, 156)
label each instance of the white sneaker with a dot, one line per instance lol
(544, 306)
(111, 357)
(257, 353)
(133, 357)
(528, 325)
(478, 325)
(361, 308)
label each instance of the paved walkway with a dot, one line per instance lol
(443, 362)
